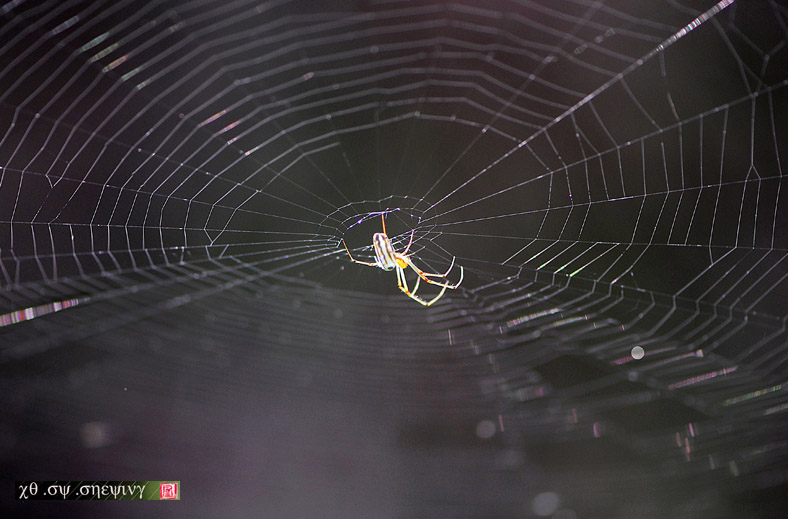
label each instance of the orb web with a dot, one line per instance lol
(609, 176)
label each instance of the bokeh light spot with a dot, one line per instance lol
(545, 503)
(485, 429)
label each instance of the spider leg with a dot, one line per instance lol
(354, 260)
(415, 287)
(403, 285)
(440, 294)
(453, 259)
(425, 275)
(410, 242)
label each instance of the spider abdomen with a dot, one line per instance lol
(385, 257)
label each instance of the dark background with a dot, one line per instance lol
(181, 175)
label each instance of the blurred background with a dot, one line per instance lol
(177, 179)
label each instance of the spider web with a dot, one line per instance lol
(608, 174)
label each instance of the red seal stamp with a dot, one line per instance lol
(168, 490)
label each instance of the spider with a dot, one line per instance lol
(387, 258)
